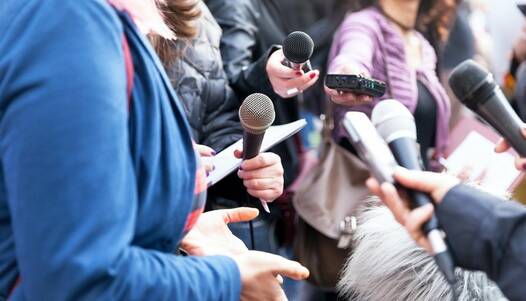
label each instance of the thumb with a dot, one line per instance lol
(278, 265)
(242, 214)
(418, 180)
(238, 153)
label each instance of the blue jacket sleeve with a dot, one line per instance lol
(487, 234)
(66, 165)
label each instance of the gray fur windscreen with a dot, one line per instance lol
(256, 113)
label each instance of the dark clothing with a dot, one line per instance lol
(488, 234)
(250, 29)
(95, 191)
(199, 79)
(426, 108)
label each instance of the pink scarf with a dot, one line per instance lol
(146, 15)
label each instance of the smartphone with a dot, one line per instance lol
(522, 8)
(356, 84)
(371, 148)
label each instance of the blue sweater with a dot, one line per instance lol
(94, 197)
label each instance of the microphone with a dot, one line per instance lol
(397, 127)
(371, 148)
(256, 114)
(297, 48)
(477, 90)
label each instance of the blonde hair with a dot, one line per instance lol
(146, 15)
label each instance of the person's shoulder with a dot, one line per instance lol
(367, 18)
(49, 13)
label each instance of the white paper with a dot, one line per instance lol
(225, 162)
(494, 172)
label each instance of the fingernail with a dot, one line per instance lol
(214, 153)
(240, 168)
(298, 73)
(207, 173)
(213, 168)
(524, 166)
(312, 75)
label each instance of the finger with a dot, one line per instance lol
(523, 132)
(418, 180)
(520, 163)
(373, 186)
(416, 219)
(280, 279)
(238, 153)
(204, 150)
(261, 161)
(241, 214)
(301, 82)
(262, 183)
(393, 201)
(273, 171)
(313, 78)
(278, 265)
(502, 146)
(275, 68)
(268, 195)
(208, 166)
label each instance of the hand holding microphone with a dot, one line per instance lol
(288, 69)
(262, 174)
(396, 125)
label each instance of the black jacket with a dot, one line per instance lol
(250, 30)
(202, 85)
(487, 234)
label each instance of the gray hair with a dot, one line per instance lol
(386, 264)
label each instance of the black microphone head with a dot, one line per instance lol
(256, 113)
(470, 82)
(393, 120)
(298, 47)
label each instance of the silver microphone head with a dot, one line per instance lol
(393, 120)
(256, 113)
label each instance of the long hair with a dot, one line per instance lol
(146, 15)
(181, 16)
(386, 264)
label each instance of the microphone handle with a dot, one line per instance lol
(307, 66)
(494, 111)
(405, 151)
(251, 144)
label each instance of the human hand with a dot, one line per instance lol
(503, 146)
(205, 151)
(435, 184)
(260, 275)
(286, 81)
(211, 235)
(348, 98)
(262, 175)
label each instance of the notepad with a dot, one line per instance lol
(225, 162)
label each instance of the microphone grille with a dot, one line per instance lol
(466, 78)
(298, 47)
(393, 120)
(256, 113)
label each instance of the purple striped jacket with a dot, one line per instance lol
(367, 41)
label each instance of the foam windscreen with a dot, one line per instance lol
(256, 113)
(393, 120)
(298, 47)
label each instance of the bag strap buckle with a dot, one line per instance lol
(347, 227)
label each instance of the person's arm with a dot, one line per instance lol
(352, 53)
(71, 188)
(246, 73)
(488, 234)
(354, 45)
